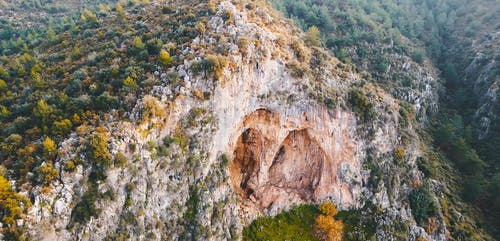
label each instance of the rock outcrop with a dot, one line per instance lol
(294, 157)
(265, 140)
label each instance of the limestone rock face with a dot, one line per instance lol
(263, 142)
(294, 157)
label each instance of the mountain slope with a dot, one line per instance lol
(458, 37)
(187, 120)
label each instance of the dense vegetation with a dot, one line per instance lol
(296, 224)
(374, 34)
(72, 71)
(304, 222)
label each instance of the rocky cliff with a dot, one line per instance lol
(225, 114)
(275, 128)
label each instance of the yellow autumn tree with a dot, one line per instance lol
(49, 148)
(329, 229)
(165, 58)
(47, 174)
(11, 203)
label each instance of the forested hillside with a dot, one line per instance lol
(249, 120)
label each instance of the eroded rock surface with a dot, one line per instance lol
(294, 157)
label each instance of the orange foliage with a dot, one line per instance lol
(329, 229)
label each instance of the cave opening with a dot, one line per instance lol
(293, 168)
(247, 158)
(297, 166)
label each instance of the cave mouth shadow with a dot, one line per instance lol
(294, 169)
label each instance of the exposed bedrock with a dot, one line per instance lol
(285, 158)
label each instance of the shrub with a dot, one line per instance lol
(165, 59)
(399, 153)
(43, 110)
(328, 209)
(212, 64)
(89, 18)
(71, 164)
(418, 56)
(11, 203)
(3, 85)
(422, 204)
(129, 84)
(47, 174)
(296, 69)
(151, 108)
(97, 150)
(312, 36)
(167, 9)
(361, 105)
(120, 160)
(228, 17)
(49, 148)
(243, 45)
(137, 46)
(62, 127)
(86, 208)
(154, 46)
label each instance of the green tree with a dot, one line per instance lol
(154, 46)
(422, 204)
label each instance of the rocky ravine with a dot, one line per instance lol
(262, 142)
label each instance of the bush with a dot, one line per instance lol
(47, 174)
(165, 59)
(312, 36)
(212, 64)
(71, 164)
(228, 17)
(120, 160)
(61, 127)
(154, 46)
(361, 105)
(296, 69)
(137, 46)
(151, 108)
(49, 148)
(86, 208)
(129, 84)
(422, 204)
(97, 150)
(11, 203)
(399, 153)
(418, 56)
(3, 85)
